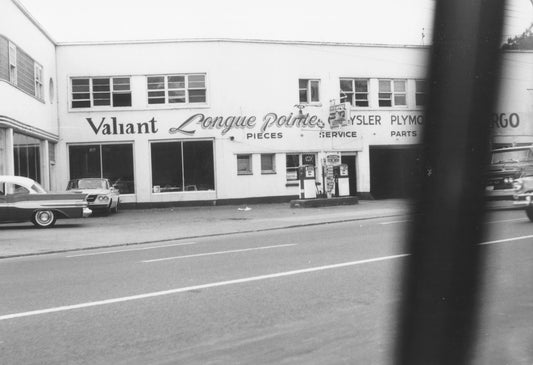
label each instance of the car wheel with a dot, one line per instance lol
(529, 212)
(44, 218)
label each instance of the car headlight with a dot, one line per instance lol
(508, 180)
(103, 197)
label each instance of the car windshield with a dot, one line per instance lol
(511, 156)
(38, 188)
(92, 184)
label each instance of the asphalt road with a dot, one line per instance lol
(313, 295)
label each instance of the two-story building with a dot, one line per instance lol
(217, 120)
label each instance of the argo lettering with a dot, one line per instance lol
(501, 120)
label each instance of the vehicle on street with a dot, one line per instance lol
(101, 195)
(23, 199)
(507, 165)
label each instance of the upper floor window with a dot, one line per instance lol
(354, 91)
(309, 90)
(101, 91)
(38, 71)
(176, 89)
(420, 93)
(12, 63)
(392, 93)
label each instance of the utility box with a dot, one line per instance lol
(306, 175)
(342, 187)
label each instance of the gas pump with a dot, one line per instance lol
(342, 181)
(306, 175)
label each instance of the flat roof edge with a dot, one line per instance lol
(30, 17)
(237, 40)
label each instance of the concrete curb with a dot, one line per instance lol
(202, 236)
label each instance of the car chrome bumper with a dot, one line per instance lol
(522, 199)
(87, 212)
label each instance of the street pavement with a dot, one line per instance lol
(139, 226)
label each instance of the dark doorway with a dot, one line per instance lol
(394, 171)
(352, 177)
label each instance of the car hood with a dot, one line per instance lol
(90, 191)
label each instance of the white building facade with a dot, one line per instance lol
(211, 121)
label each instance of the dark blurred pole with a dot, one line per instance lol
(439, 308)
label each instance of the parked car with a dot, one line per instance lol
(523, 195)
(23, 199)
(101, 195)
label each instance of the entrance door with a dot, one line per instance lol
(395, 171)
(352, 177)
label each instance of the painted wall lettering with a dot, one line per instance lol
(504, 120)
(105, 127)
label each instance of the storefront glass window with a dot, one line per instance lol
(182, 166)
(27, 156)
(198, 166)
(297, 159)
(110, 161)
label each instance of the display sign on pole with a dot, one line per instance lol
(339, 114)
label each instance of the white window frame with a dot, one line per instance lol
(393, 93)
(12, 63)
(91, 92)
(38, 78)
(249, 170)
(272, 157)
(351, 96)
(308, 87)
(187, 88)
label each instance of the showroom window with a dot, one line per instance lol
(293, 160)
(182, 166)
(268, 163)
(244, 165)
(354, 91)
(420, 93)
(27, 156)
(101, 91)
(110, 161)
(309, 91)
(392, 93)
(176, 89)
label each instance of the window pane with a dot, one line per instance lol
(196, 81)
(121, 99)
(385, 96)
(156, 82)
(420, 99)
(156, 101)
(196, 96)
(346, 97)
(314, 91)
(400, 99)
(346, 85)
(198, 165)
(121, 83)
(399, 86)
(84, 161)
(384, 86)
(81, 96)
(80, 88)
(420, 86)
(293, 160)
(302, 83)
(303, 96)
(166, 166)
(117, 161)
(385, 103)
(267, 163)
(80, 82)
(361, 86)
(154, 94)
(177, 93)
(81, 104)
(244, 164)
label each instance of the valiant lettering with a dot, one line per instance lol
(107, 128)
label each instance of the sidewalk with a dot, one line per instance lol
(130, 227)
